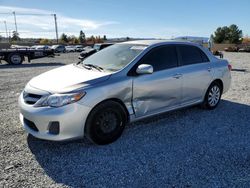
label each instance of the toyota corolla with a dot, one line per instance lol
(123, 83)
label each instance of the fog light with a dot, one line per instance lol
(54, 127)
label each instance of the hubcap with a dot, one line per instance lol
(214, 95)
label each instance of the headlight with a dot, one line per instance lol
(57, 100)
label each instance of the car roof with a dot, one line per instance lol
(153, 42)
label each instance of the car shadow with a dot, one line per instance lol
(240, 70)
(8, 66)
(187, 147)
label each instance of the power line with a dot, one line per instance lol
(27, 14)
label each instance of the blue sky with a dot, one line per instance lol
(133, 18)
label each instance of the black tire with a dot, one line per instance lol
(15, 59)
(106, 123)
(213, 93)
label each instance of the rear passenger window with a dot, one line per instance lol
(192, 55)
(204, 57)
(161, 58)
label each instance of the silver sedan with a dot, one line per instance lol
(123, 83)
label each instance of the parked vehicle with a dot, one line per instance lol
(101, 46)
(70, 48)
(231, 49)
(86, 53)
(59, 48)
(79, 48)
(245, 49)
(87, 48)
(89, 51)
(41, 47)
(17, 56)
(19, 46)
(126, 82)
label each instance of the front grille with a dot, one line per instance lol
(30, 124)
(30, 98)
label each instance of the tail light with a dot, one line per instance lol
(229, 67)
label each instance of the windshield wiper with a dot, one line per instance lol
(93, 66)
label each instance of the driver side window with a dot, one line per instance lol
(164, 57)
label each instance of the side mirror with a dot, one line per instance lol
(145, 69)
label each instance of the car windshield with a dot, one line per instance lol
(115, 57)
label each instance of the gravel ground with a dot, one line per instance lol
(185, 148)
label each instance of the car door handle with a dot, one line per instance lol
(209, 69)
(177, 76)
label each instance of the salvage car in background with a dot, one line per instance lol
(40, 47)
(244, 49)
(79, 48)
(89, 51)
(70, 48)
(101, 46)
(231, 49)
(120, 84)
(59, 48)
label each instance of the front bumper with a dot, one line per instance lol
(71, 120)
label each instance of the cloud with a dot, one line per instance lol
(40, 23)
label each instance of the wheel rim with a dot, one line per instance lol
(16, 59)
(107, 122)
(214, 96)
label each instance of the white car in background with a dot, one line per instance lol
(70, 48)
(41, 47)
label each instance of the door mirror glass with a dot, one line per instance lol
(145, 69)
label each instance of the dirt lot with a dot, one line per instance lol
(185, 148)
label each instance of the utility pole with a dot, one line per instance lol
(56, 27)
(9, 36)
(15, 20)
(6, 30)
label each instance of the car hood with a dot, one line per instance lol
(67, 78)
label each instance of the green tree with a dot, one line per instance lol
(64, 38)
(44, 41)
(235, 34)
(73, 39)
(15, 36)
(82, 37)
(231, 34)
(104, 37)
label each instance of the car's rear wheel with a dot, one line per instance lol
(106, 123)
(213, 96)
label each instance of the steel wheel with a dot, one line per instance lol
(106, 122)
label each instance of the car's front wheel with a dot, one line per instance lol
(213, 96)
(106, 123)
